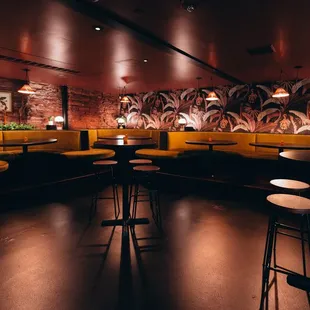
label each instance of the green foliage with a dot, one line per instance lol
(15, 126)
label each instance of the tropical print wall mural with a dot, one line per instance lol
(240, 108)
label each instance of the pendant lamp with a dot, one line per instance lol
(212, 95)
(280, 92)
(26, 89)
(124, 98)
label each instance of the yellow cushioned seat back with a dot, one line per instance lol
(278, 138)
(1, 139)
(67, 140)
(176, 140)
(92, 137)
(132, 132)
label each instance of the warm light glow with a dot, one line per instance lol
(212, 96)
(97, 28)
(121, 121)
(59, 119)
(182, 121)
(125, 99)
(145, 60)
(26, 89)
(280, 93)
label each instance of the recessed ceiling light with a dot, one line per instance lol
(145, 60)
(98, 28)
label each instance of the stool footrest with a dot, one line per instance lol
(130, 222)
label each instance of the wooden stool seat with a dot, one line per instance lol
(149, 168)
(291, 203)
(140, 161)
(290, 184)
(105, 162)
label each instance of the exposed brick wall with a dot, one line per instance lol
(91, 109)
(86, 109)
(44, 103)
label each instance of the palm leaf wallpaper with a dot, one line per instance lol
(240, 108)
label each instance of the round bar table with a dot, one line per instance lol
(281, 146)
(25, 143)
(121, 137)
(211, 143)
(296, 155)
(124, 153)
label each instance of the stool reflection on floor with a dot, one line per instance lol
(145, 175)
(95, 197)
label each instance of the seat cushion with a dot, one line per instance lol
(3, 166)
(93, 154)
(10, 155)
(154, 153)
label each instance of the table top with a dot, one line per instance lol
(212, 142)
(29, 142)
(281, 145)
(120, 137)
(117, 143)
(290, 184)
(292, 203)
(296, 155)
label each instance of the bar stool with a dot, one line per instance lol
(137, 162)
(95, 197)
(291, 204)
(145, 175)
(290, 185)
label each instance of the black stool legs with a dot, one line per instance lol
(275, 228)
(96, 197)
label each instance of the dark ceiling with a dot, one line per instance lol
(179, 45)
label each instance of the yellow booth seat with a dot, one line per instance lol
(92, 154)
(158, 154)
(3, 166)
(67, 140)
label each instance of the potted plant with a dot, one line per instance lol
(51, 120)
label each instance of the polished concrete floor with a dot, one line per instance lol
(210, 258)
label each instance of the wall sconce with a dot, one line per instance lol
(182, 122)
(59, 120)
(121, 122)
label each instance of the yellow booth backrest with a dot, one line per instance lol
(94, 134)
(67, 140)
(1, 139)
(176, 140)
(285, 138)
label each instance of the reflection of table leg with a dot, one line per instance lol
(25, 149)
(210, 147)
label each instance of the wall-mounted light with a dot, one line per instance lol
(59, 121)
(26, 89)
(182, 122)
(121, 122)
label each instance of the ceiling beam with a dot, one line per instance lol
(118, 22)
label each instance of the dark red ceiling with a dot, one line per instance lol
(217, 33)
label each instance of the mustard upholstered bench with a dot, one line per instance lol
(91, 154)
(3, 166)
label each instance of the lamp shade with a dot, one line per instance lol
(212, 96)
(26, 89)
(280, 93)
(182, 121)
(125, 99)
(59, 119)
(121, 120)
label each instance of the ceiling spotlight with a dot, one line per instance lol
(145, 60)
(98, 28)
(188, 6)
